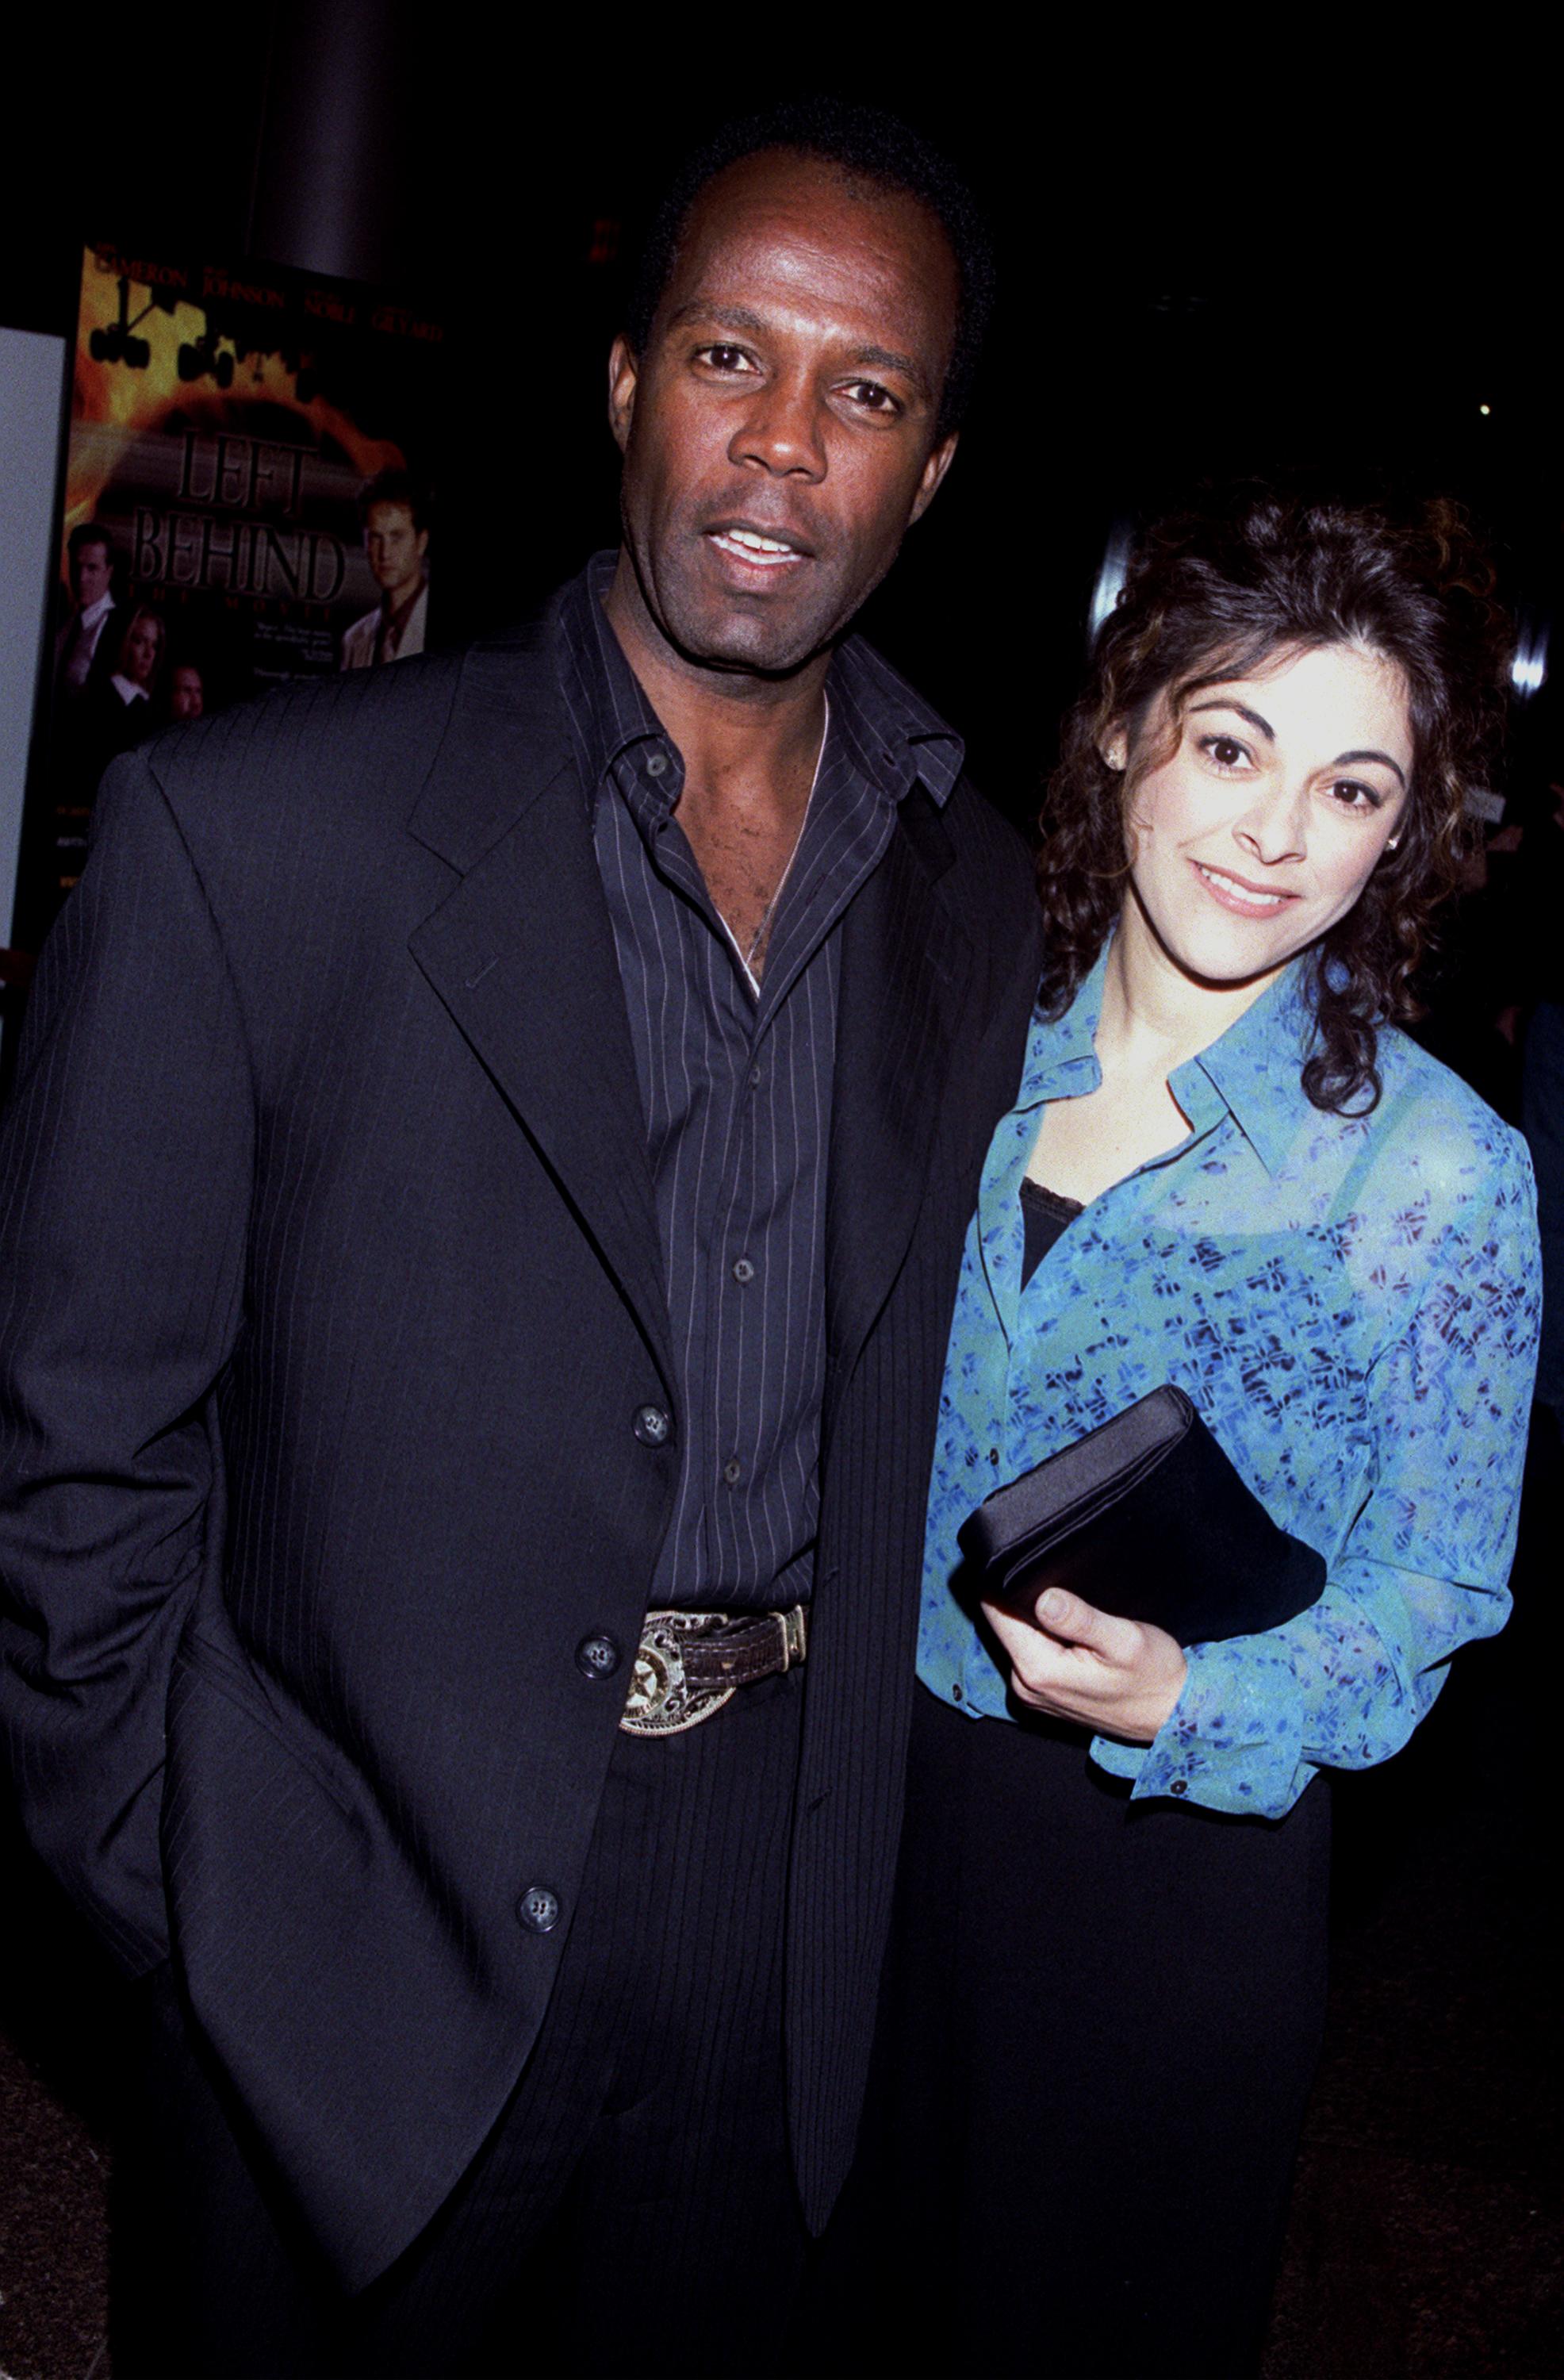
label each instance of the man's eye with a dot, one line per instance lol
(725, 358)
(1225, 751)
(869, 393)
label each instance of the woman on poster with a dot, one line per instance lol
(128, 708)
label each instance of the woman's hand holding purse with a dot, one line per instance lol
(1117, 1677)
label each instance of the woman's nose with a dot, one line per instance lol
(1275, 826)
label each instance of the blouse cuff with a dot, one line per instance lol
(1233, 1740)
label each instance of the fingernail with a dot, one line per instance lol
(1051, 1605)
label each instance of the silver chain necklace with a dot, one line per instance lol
(771, 908)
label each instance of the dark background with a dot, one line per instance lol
(1221, 251)
(1226, 246)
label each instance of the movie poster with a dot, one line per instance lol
(247, 497)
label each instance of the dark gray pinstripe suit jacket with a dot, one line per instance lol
(331, 1289)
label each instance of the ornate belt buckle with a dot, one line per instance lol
(796, 1634)
(662, 1701)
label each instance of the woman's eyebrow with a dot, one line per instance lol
(1222, 703)
(1345, 759)
(1342, 760)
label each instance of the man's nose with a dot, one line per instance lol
(781, 432)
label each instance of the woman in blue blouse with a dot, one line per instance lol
(1227, 1169)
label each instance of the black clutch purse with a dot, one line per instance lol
(1146, 1517)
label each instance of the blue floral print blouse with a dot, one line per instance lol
(1352, 1307)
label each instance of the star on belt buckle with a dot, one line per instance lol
(662, 1701)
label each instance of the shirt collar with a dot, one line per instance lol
(1252, 1071)
(897, 739)
(608, 707)
(1255, 1069)
(890, 733)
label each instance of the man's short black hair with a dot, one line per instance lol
(865, 142)
(393, 486)
(89, 533)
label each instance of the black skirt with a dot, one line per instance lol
(1099, 2024)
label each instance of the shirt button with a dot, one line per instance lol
(743, 1269)
(733, 1470)
(993, 1454)
(651, 1425)
(658, 765)
(1178, 1786)
(754, 1078)
(597, 1657)
(956, 1695)
(538, 1908)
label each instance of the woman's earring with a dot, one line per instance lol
(1393, 841)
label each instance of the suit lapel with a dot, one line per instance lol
(522, 954)
(906, 970)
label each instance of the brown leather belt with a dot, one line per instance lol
(690, 1663)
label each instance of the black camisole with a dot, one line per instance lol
(1044, 1215)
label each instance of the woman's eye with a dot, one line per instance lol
(1225, 751)
(1352, 795)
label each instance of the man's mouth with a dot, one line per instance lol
(754, 547)
(1235, 892)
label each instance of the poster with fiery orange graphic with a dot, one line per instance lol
(247, 477)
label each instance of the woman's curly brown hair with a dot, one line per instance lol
(1215, 595)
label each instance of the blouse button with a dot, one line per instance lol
(1178, 1786)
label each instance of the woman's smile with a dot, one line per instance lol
(1235, 892)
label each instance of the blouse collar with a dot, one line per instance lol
(1252, 1071)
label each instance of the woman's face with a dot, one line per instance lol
(1265, 822)
(142, 640)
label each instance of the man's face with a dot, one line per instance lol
(91, 570)
(779, 430)
(187, 697)
(394, 547)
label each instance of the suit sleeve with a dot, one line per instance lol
(125, 1184)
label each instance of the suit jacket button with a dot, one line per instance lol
(651, 1425)
(538, 1908)
(597, 1657)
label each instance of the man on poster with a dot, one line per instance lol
(82, 656)
(396, 545)
(474, 1358)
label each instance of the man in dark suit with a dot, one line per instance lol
(86, 645)
(87, 714)
(475, 1334)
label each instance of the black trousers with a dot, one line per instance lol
(634, 2210)
(1099, 2028)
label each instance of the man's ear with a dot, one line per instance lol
(624, 371)
(934, 470)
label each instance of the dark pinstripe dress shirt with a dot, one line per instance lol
(737, 1089)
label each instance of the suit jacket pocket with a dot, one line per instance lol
(222, 1667)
